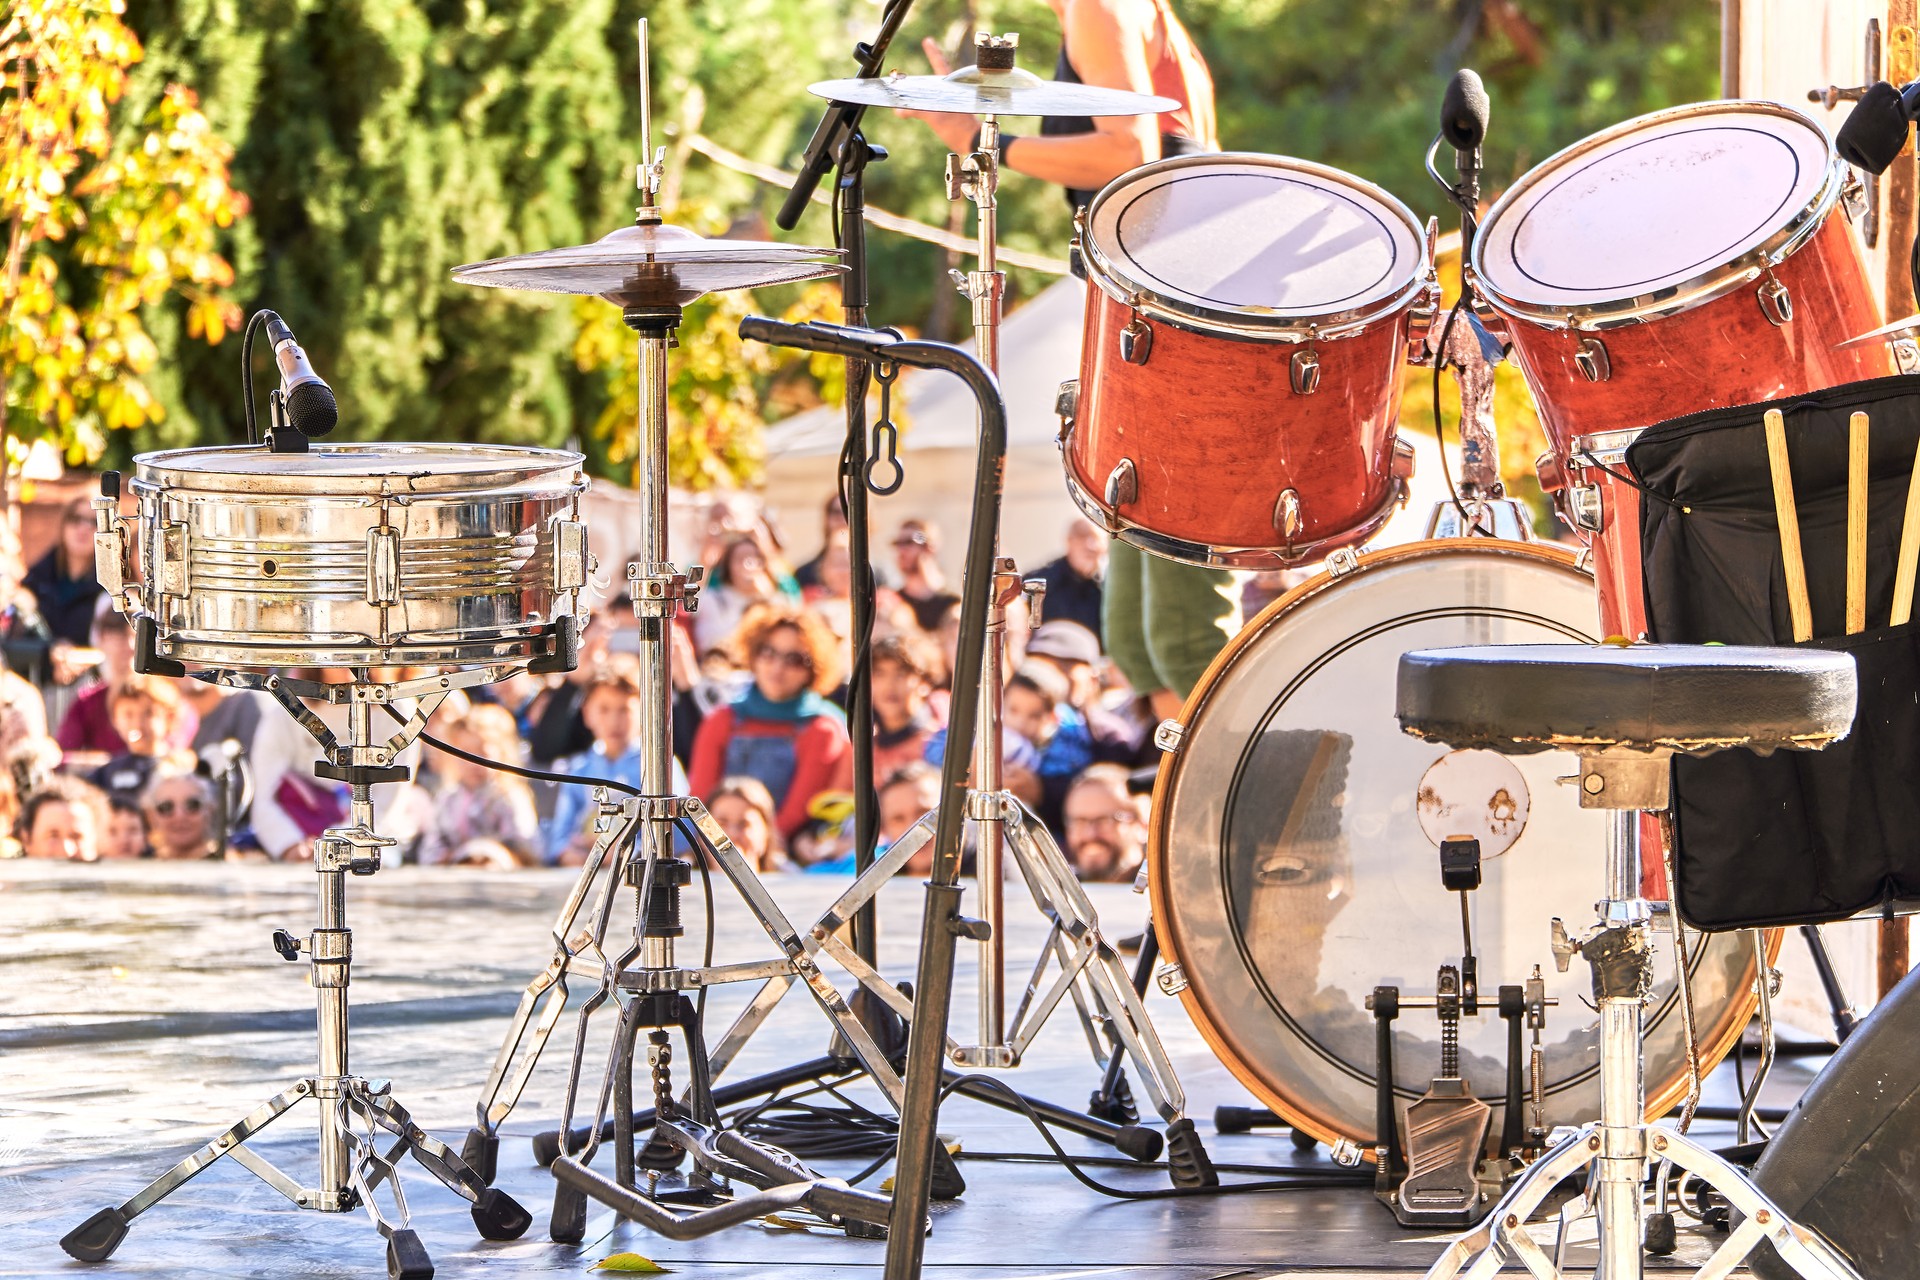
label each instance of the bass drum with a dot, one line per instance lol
(1294, 858)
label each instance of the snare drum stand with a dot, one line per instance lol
(357, 1115)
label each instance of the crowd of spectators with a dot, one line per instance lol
(101, 762)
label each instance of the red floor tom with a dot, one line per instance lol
(1684, 260)
(1240, 378)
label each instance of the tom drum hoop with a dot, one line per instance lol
(1249, 319)
(1685, 260)
(1293, 860)
(357, 554)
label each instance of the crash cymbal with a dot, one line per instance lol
(971, 91)
(1909, 327)
(653, 264)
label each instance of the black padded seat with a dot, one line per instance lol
(1523, 698)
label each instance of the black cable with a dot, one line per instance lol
(538, 775)
(1913, 265)
(246, 369)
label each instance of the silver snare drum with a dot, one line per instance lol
(352, 554)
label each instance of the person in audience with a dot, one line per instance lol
(551, 721)
(831, 596)
(1035, 706)
(63, 820)
(26, 641)
(612, 714)
(1074, 580)
(1074, 652)
(1106, 833)
(833, 521)
(909, 793)
(781, 729)
(916, 555)
(145, 711)
(481, 817)
(87, 727)
(179, 809)
(224, 715)
(903, 719)
(126, 830)
(63, 581)
(745, 811)
(741, 580)
(10, 846)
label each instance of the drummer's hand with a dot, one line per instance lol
(957, 131)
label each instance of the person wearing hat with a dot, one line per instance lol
(1074, 652)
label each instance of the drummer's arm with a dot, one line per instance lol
(1111, 41)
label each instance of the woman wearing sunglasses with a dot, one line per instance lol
(780, 730)
(179, 810)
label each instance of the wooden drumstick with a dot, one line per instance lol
(1856, 524)
(1909, 551)
(1788, 516)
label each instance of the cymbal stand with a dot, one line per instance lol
(1103, 993)
(357, 1115)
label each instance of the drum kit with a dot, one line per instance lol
(1246, 336)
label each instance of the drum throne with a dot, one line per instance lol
(1627, 710)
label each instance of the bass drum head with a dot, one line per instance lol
(1253, 239)
(1294, 862)
(1658, 205)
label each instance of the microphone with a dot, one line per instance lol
(311, 408)
(1875, 130)
(1463, 112)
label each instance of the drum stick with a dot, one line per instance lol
(1789, 519)
(1856, 524)
(1909, 551)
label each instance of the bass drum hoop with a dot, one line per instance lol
(1716, 1041)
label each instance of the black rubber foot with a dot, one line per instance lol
(407, 1258)
(946, 1182)
(481, 1152)
(1662, 1236)
(864, 1230)
(499, 1216)
(1187, 1160)
(1137, 1142)
(95, 1239)
(658, 1153)
(569, 1222)
(1304, 1141)
(546, 1147)
(1116, 1107)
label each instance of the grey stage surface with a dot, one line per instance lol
(144, 1010)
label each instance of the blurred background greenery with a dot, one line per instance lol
(379, 143)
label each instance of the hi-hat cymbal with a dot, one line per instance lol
(653, 264)
(971, 91)
(1909, 327)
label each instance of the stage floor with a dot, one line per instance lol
(144, 1009)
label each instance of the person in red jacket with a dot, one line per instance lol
(781, 729)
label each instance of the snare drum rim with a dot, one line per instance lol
(1103, 272)
(1715, 1041)
(521, 467)
(1688, 294)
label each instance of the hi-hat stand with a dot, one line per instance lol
(357, 1116)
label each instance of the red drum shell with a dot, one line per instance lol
(1720, 353)
(1216, 435)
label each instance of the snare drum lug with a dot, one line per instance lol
(569, 555)
(1169, 735)
(1593, 361)
(1123, 485)
(170, 576)
(1286, 515)
(1776, 303)
(1172, 979)
(1304, 371)
(383, 565)
(1136, 341)
(1585, 508)
(1342, 562)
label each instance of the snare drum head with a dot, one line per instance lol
(1252, 237)
(1663, 203)
(1294, 863)
(357, 468)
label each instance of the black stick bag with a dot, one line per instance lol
(1795, 837)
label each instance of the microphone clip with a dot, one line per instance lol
(282, 435)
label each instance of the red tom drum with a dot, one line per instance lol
(1684, 260)
(1249, 319)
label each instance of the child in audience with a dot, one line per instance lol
(903, 721)
(481, 816)
(745, 811)
(62, 820)
(611, 709)
(144, 711)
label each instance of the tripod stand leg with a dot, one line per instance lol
(1803, 1250)
(95, 1239)
(1480, 1252)
(496, 1214)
